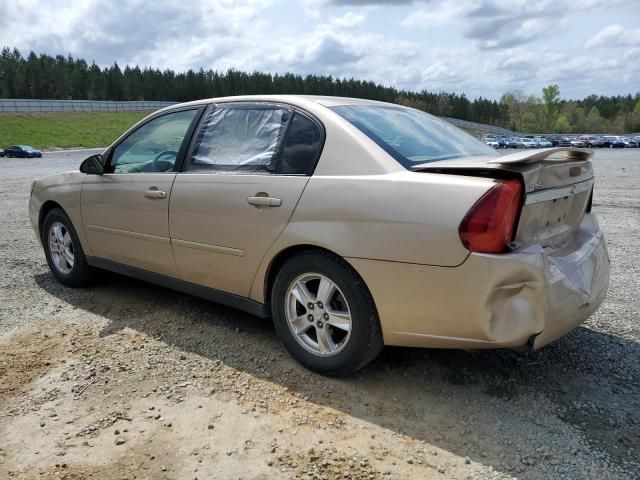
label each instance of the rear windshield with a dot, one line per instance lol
(411, 136)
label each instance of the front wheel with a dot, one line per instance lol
(324, 314)
(63, 251)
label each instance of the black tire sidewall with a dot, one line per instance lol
(363, 314)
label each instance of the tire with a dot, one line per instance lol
(75, 273)
(353, 349)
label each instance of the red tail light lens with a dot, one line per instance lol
(490, 224)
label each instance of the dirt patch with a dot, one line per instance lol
(26, 356)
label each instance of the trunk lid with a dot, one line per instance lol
(557, 182)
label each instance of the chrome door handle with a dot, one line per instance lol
(264, 201)
(155, 194)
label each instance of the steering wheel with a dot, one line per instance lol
(155, 163)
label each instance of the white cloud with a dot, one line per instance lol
(615, 36)
(348, 20)
(490, 24)
(479, 47)
(440, 14)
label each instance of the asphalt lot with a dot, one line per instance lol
(129, 380)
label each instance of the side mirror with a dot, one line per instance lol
(94, 165)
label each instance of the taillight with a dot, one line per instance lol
(490, 224)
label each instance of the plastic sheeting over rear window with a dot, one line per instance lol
(411, 136)
(239, 138)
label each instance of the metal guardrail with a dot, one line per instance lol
(29, 105)
(35, 106)
(479, 126)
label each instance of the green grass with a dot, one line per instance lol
(65, 129)
(470, 130)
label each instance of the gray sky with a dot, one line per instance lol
(481, 48)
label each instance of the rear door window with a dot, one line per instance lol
(239, 138)
(255, 138)
(301, 146)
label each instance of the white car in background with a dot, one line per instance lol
(529, 143)
(491, 141)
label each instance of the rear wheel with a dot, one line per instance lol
(324, 314)
(63, 251)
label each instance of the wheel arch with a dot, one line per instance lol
(284, 255)
(45, 208)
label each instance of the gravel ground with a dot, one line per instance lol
(129, 380)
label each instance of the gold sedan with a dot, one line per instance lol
(353, 224)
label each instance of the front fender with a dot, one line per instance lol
(63, 189)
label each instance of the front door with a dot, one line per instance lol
(125, 211)
(242, 180)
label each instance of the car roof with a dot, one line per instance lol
(325, 101)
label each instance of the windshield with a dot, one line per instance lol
(411, 136)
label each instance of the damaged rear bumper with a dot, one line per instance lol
(578, 279)
(492, 300)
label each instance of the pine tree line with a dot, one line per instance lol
(58, 77)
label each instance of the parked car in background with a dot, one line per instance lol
(502, 142)
(212, 198)
(528, 142)
(577, 143)
(564, 142)
(490, 140)
(612, 141)
(512, 142)
(591, 141)
(518, 142)
(630, 142)
(1, 152)
(543, 142)
(22, 151)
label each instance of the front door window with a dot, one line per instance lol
(154, 147)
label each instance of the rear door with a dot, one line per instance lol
(125, 211)
(242, 179)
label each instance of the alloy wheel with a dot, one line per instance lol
(318, 314)
(61, 248)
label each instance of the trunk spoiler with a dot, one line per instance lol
(534, 156)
